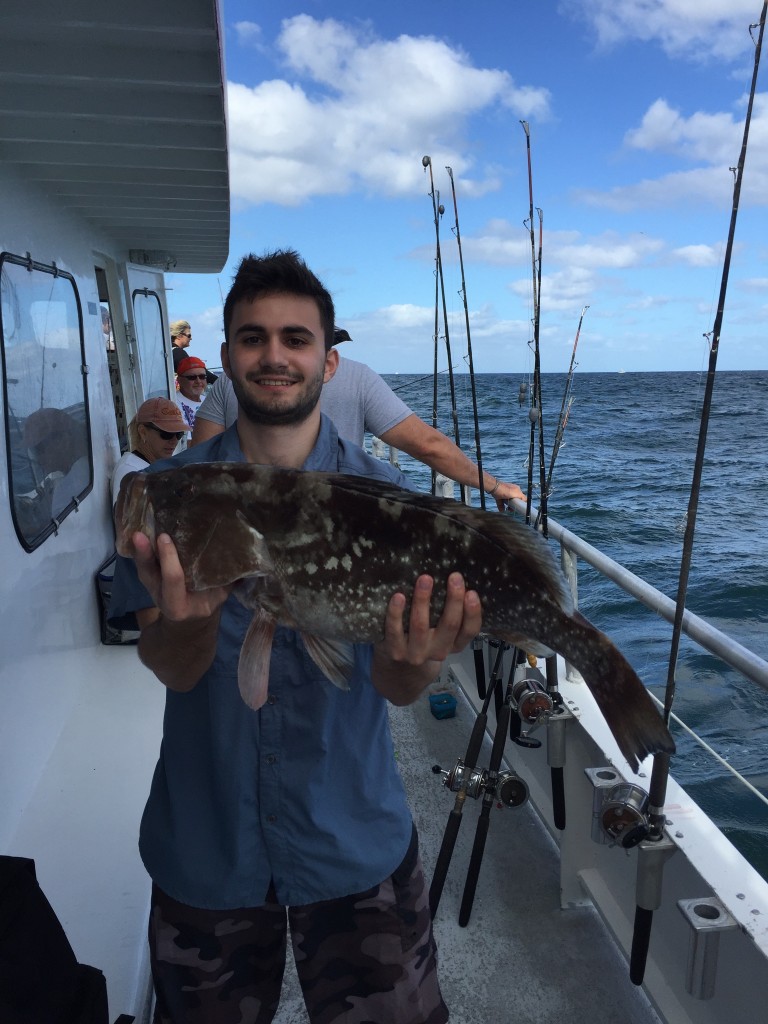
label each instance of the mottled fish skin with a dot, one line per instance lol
(323, 553)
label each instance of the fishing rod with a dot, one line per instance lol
(565, 408)
(436, 341)
(534, 412)
(649, 867)
(463, 293)
(533, 409)
(462, 774)
(542, 517)
(438, 211)
(489, 798)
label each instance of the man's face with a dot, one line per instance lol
(276, 358)
(192, 383)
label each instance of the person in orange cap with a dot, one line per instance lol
(154, 433)
(191, 378)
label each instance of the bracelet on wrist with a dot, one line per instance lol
(495, 488)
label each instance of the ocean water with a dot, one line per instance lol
(622, 482)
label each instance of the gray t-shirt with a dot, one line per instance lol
(356, 398)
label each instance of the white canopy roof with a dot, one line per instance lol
(118, 111)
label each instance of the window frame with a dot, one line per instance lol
(31, 543)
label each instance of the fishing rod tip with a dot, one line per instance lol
(425, 161)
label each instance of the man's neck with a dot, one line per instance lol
(287, 446)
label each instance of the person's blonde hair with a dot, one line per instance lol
(133, 435)
(178, 326)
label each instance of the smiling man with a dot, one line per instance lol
(273, 365)
(293, 813)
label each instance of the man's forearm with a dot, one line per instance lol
(428, 445)
(179, 653)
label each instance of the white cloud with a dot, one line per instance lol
(698, 255)
(350, 92)
(608, 251)
(715, 138)
(249, 34)
(566, 290)
(696, 29)
(712, 140)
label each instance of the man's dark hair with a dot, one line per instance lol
(282, 271)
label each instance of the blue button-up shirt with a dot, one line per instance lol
(305, 791)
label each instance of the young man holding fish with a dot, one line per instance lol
(299, 804)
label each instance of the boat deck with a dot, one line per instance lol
(521, 957)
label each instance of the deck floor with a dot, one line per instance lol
(521, 958)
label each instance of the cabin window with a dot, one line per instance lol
(47, 427)
(147, 313)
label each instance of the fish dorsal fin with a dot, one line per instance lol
(334, 658)
(253, 666)
(503, 530)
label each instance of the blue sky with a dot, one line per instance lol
(636, 114)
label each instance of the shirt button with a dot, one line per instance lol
(271, 698)
(271, 818)
(271, 758)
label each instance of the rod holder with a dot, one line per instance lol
(603, 781)
(556, 736)
(707, 918)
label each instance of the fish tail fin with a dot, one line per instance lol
(623, 700)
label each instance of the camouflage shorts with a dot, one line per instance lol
(367, 958)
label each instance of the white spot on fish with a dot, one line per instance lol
(311, 568)
(332, 563)
(393, 509)
(346, 562)
(357, 549)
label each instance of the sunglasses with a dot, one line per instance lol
(167, 435)
(193, 376)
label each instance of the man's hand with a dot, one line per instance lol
(504, 493)
(178, 635)
(405, 662)
(163, 577)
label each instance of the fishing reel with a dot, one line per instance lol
(507, 787)
(533, 703)
(619, 809)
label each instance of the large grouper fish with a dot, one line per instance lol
(323, 553)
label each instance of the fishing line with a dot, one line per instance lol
(411, 383)
(714, 754)
(565, 410)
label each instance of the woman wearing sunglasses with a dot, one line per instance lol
(154, 433)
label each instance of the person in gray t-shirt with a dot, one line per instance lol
(357, 399)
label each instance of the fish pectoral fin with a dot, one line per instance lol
(253, 666)
(334, 658)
